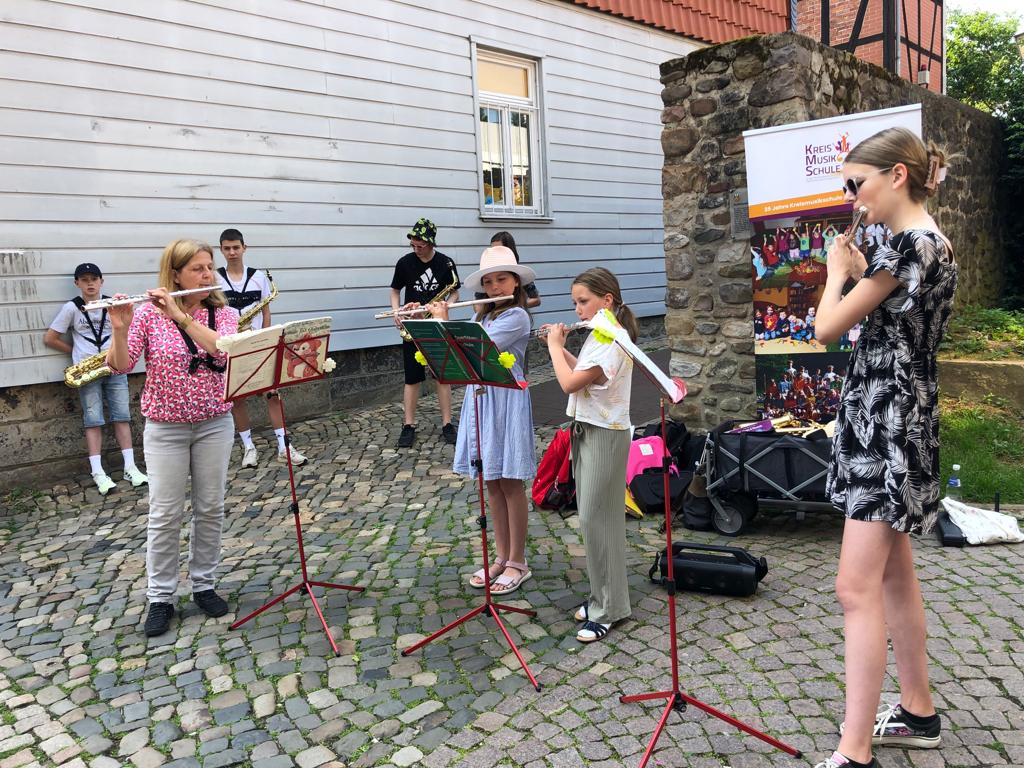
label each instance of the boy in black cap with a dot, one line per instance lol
(423, 273)
(90, 334)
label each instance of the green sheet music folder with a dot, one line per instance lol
(460, 352)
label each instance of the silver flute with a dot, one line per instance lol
(539, 333)
(140, 297)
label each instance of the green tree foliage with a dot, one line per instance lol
(984, 65)
(985, 68)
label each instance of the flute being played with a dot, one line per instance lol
(541, 332)
(422, 309)
(138, 298)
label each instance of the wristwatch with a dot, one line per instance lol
(183, 324)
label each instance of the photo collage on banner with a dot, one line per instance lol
(796, 209)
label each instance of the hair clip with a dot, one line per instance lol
(934, 171)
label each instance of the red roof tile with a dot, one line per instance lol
(713, 21)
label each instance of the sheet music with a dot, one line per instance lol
(668, 387)
(305, 349)
(250, 360)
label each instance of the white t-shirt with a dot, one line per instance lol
(604, 405)
(246, 292)
(70, 317)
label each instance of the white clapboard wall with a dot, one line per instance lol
(322, 130)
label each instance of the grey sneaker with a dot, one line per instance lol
(893, 730)
(249, 457)
(103, 483)
(297, 458)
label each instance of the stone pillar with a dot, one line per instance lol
(711, 96)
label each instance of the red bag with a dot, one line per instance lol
(554, 487)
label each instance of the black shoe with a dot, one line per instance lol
(210, 603)
(158, 620)
(408, 436)
(449, 434)
(893, 729)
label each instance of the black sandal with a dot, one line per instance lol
(591, 632)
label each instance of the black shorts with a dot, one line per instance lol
(414, 372)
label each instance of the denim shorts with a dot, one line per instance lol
(113, 389)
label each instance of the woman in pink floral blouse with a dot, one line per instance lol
(188, 425)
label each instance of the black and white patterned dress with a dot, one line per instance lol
(885, 459)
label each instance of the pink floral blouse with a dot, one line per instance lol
(171, 393)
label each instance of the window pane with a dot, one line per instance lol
(491, 156)
(509, 79)
(522, 186)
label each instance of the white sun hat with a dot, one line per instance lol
(498, 258)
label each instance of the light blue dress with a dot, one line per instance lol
(506, 415)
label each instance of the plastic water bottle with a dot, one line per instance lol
(953, 486)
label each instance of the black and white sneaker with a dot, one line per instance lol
(158, 620)
(408, 436)
(893, 729)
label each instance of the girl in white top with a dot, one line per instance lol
(598, 385)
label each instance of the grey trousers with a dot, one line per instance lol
(174, 451)
(599, 466)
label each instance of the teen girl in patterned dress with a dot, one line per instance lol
(885, 465)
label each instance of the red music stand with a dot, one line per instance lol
(268, 360)
(460, 352)
(673, 390)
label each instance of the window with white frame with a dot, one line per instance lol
(510, 136)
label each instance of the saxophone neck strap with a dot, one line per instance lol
(97, 333)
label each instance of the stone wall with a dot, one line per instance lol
(711, 97)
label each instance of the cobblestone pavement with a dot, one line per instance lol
(81, 685)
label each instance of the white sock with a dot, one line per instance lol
(246, 438)
(96, 464)
(129, 458)
(280, 439)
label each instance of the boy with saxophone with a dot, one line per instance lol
(426, 275)
(245, 287)
(90, 335)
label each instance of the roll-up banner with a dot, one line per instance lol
(796, 208)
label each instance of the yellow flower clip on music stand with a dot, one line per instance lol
(601, 335)
(419, 358)
(507, 359)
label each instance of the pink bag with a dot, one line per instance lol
(646, 453)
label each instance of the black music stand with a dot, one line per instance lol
(267, 360)
(673, 390)
(461, 352)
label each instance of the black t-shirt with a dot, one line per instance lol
(422, 281)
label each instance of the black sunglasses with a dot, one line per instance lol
(853, 185)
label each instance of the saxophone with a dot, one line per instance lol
(441, 295)
(87, 370)
(245, 318)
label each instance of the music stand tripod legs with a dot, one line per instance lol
(676, 699)
(306, 584)
(489, 607)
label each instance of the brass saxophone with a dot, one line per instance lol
(245, 318)
(441, 295)
(87, 370)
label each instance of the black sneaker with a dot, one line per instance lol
(158, 620)
(210, 603)
(449, 434)
(408, 436)
(892, 729)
